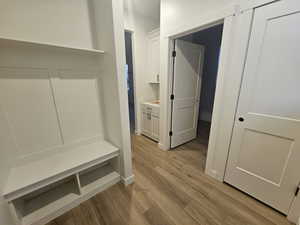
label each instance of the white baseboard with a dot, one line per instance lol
(211, 173)
(162, 147)
(128, 180)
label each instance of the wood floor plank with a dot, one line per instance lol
(106, 209)
(156, 216)
(124, 207)
(171, 188)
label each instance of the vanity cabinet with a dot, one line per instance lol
(150, 120)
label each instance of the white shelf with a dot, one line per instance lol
(45, 44)
(54, 201)
(92, 180)
(44, 206)
(43, 172)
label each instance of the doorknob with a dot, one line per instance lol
(241, 119)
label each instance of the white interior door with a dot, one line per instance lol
(186, 89)
(264, 158)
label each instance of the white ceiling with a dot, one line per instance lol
(149, 8)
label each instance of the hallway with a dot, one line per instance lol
(171, 189)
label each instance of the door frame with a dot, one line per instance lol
(227, 17)
(134, 78)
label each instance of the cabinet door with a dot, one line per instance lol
(155, 131)
(146, 124)
(153, 60)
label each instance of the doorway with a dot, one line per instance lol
(130, 80)
(195, 69)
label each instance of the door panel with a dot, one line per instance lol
(264, 154)
(186, 89)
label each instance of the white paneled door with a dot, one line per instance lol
(186, 89)
(264, 158)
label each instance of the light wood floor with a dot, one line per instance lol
(171, 189)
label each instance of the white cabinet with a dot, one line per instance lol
(146, 123)
(150, 120)
(155, 127)
(153, 56)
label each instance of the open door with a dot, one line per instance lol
(187, 73)
(265, 147)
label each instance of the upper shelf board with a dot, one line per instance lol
(32, 176)
(51, 45)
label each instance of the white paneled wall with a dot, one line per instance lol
(53, 99)
(27, 102)
(49, 103)
(72, 90)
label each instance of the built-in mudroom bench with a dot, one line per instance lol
(64, 130)
(44, 189)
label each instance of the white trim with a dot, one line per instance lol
(219, 101)
(128, 180)
(294, 212)
(118, 25)
(227, 92)
(208, 21)
(248, 5)
(162, 147)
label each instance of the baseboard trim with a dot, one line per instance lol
(128, 180)
(162, 147)
(211, 173)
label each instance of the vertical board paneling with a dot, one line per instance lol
(78, 104)
(28, 104)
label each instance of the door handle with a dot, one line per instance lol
(241, 119)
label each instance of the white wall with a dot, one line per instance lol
(140, 25)
(55, 21)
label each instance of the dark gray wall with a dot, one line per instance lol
(130, 80)
(211, 38)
